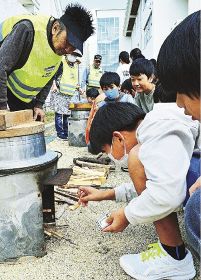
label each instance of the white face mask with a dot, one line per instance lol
(71, 58)
(123, 161)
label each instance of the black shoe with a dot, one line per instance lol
(62, 138)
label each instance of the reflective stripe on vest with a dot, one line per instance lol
(1, 35)
(69, 79)
(42, 63)
(94, 76)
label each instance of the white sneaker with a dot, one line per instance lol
(155, 264)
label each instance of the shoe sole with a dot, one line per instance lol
(140, 277)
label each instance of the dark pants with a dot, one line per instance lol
(61, 125)
(16, 104)
(192, 222)
(193, 173)
(192, 206)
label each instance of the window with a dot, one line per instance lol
(108, 42)
(148, 30)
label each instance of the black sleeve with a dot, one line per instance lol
(42, 95)
(58, 75)
(14, 52)
(59, 72)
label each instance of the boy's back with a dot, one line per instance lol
(167, 138)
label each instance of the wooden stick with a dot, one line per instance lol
(83, 164)
(65, 195)
(74, 193)
(67, 200)
(47, 233)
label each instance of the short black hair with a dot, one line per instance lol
(154, 62)
(109, 78)
(164, 96)
(81, 20)
(124, 56)
(92, 92)
(112, 117)
(135, 54)
(127, 85)
(178, 61)
(142, 66)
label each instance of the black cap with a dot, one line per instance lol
(79, 24)
(72, 29)
(97, 57)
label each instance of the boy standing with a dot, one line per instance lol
(65, 86)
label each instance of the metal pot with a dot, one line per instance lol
(79, 114)
(24, 164)
(76, 132)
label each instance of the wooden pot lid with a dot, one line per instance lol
(19, 123)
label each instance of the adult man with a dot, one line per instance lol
(179, 70)
(64, 88)
(31, 50)
(92, 74)
(160, 146)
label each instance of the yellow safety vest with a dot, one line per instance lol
(42, 64)
(69, 79)
(94, 76)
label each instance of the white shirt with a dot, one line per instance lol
(167, 139)
(123, 71)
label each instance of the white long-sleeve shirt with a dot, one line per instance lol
(167, 139)
(123, 71)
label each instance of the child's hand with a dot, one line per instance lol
(89, 194)
(117, 220)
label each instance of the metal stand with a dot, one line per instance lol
(59, 179)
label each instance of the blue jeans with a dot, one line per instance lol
(192, 221)
(61, 125)
(192, 205)
(193, 173)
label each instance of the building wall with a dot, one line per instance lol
(50, 7)
(163, 24)
(156, 19)
(107, 39)
(193, 6)
(144, 15)
(15, 7)
(9, 8)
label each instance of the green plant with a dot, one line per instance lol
(49, 117)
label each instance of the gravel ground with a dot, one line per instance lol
(84, 252)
